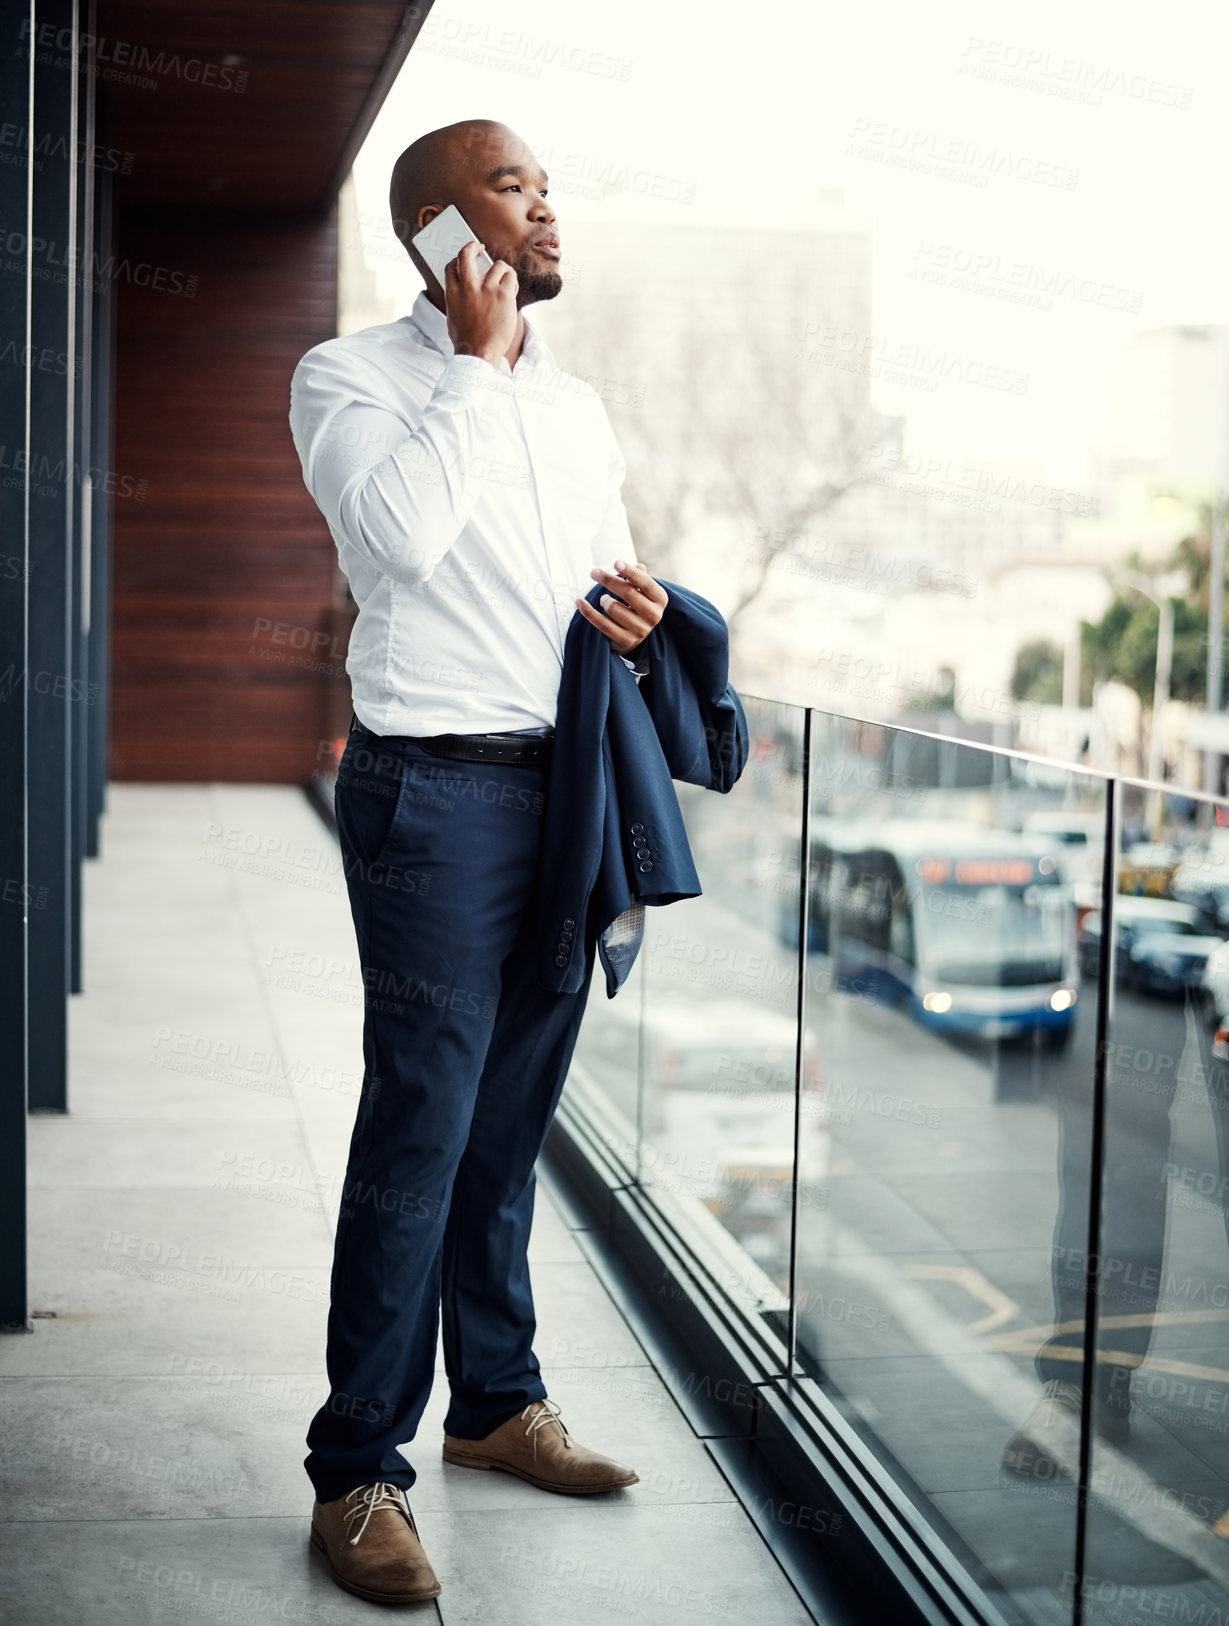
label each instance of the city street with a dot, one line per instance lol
(926, 1229)
(924, 1284)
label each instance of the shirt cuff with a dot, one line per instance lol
(639, 667)
(470, 381)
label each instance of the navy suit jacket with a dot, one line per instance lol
(613, 838)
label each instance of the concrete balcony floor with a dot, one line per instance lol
(181, 1221)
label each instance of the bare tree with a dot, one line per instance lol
(800, 446)
(730, 420)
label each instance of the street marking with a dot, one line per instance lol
(1028, 1340)
(1122, 1486)
(1001, 1308)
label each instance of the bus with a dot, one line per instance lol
(967, 930)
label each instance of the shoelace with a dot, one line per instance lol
(548, 1413)
(371, 1497)
(1068, 1394)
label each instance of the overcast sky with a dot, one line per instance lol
(755, 108)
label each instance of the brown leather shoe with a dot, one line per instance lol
(536, 1446)
(1047, 1446)
(372, 1545)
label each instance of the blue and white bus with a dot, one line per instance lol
(968, 930)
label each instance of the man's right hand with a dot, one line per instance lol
(481, 310)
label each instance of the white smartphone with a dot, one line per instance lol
(442, 239)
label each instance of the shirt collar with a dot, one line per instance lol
(433, 325)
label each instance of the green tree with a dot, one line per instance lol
(1122, 644)
(941, 695)
(1038, 673)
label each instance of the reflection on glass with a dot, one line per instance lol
(924, 915)
(1158, 1535)
(944, 993)
(719, 1057)
(929, 1174)
(694, 1061)
(605, 1073)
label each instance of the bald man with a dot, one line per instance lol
(473, 491)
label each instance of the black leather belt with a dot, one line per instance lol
(528, 749)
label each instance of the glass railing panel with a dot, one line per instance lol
(604, 1080)
(720, 1026)
(947, 884)
(1158, 1531)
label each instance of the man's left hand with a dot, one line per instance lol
(634, 603)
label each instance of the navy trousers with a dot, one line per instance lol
(464, 1060)
(1133, 1254)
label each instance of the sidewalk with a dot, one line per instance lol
(181, 1220)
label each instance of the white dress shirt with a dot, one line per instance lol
(468, 505)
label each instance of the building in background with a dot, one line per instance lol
(1166, 445)
(1167, 407)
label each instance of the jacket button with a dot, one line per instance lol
(639, 841)
(637, 829)
(561, 959)
(645, 868)
(569, 922)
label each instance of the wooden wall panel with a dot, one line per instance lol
(225, 579)
(254, 104)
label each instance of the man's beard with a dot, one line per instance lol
(534, 284)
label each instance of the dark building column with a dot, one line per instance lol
(16, 174)
(51, 680)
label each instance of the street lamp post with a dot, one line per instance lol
(1162, 591)
(1216, 634)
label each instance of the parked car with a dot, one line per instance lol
(1169, 962)
(1202, 880)
(1133, 917)
(1214, 986)
(1148, 869)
